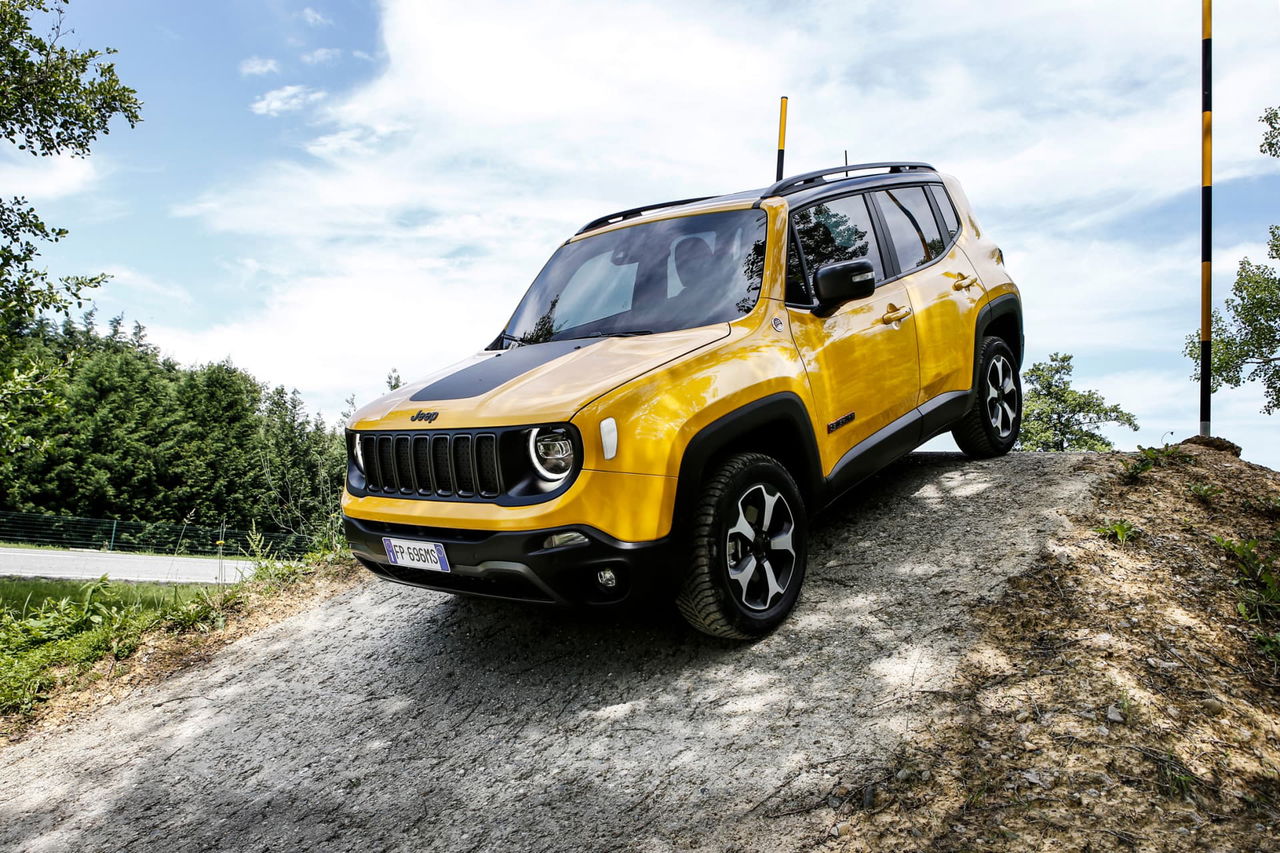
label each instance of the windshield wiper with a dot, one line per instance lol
(627, 334)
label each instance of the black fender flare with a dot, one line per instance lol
(784, 409)
(1002, 306)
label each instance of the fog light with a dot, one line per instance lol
(559, 540)
(606, 578)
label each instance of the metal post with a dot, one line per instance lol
(782, 133)
(1206, 217)
(111, 546)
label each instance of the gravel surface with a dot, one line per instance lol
(394, 718)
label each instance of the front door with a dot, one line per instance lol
(862, 360)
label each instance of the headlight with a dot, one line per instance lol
(551, 451)
(356, 452)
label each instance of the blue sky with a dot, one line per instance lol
(322, 192)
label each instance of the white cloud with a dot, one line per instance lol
(256, 66)
(451, 179)
(285, 99)
(321, 56)
(45, 178)
(314, 18)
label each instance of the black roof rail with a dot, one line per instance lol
(798, 182)
(636, 211)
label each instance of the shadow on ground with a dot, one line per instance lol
(393, 718)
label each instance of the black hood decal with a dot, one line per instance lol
(483, 377)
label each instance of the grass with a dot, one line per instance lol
(54, 631)
(24, 595)
(1120, 531)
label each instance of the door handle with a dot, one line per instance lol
(964, 283)
(895, 314)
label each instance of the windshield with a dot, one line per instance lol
(657, 277)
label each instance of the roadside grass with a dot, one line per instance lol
(52, 633)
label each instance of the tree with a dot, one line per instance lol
(53, 100)
(1246, 335)
(1057, 417)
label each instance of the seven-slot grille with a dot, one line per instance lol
(445, 464)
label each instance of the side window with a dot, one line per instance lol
(911, 225)
(949, 219)
(797, 292)
(838, 230)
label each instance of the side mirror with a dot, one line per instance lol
(842, 282)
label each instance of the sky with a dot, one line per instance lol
(324, 192)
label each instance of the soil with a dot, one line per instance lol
(971, 666)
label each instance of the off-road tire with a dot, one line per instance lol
(709, 599)
(982, 432)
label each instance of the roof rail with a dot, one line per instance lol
(636, 211)
(798, 182)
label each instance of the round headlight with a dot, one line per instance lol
(551, 452)
(357, 452)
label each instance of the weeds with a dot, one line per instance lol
(1150, 457)
(1131, 472)
(1119, 531)
(1259, 583)
(1204, 492)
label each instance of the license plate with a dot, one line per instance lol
(416, 553)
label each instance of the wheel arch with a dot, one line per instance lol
(777, 425)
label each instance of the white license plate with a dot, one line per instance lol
(416, 553)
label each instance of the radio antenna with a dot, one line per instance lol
(782, 134)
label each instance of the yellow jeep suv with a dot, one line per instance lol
(683, 386)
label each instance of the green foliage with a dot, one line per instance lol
(53, 100)
(1119, 531)
(1131, 472)
(1057, 417)
(1246, 334)
(210, 447)
(1204, 492)
(393, 379)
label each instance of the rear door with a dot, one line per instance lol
(862, 359)
(944, 289)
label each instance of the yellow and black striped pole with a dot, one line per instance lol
(1206, 217)
(782, 133)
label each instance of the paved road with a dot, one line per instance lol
(48, 563)
(394, 719)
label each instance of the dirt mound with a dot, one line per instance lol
(1117, 698)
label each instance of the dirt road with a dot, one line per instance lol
(397, 719)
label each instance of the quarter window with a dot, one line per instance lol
(838, 230)
(949, 219)
(911, 225)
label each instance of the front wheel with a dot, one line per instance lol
(991, 426)
(749, 549)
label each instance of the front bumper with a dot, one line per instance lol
(517, 566)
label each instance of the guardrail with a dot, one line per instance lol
(147, 537)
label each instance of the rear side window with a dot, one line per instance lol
(838, 230)
(949, 219)
(911, 225)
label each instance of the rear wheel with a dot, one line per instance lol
(749, 549)
(991, 426)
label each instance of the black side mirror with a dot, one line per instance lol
(842, 282)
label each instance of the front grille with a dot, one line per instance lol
(427, 464)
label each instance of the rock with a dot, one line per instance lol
(1214, 443)
(1212, 706)
(1114, 715)
(1023, 716)
(842, 828)
(841, 790)
(924, 775)
(1104, 731)
(903, 775)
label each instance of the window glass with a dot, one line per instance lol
(838, 230)
(797, 293)
(655, 277)
(911, 225)
(949, 218)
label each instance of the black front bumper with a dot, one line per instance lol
(518, 566)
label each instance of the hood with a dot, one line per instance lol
(535, 383)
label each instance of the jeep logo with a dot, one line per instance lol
(429, 417)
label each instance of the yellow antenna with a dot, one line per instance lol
(782, 134)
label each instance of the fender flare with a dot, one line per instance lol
(1002, 306)
(785, 409)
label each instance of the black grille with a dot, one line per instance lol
(432, 464)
